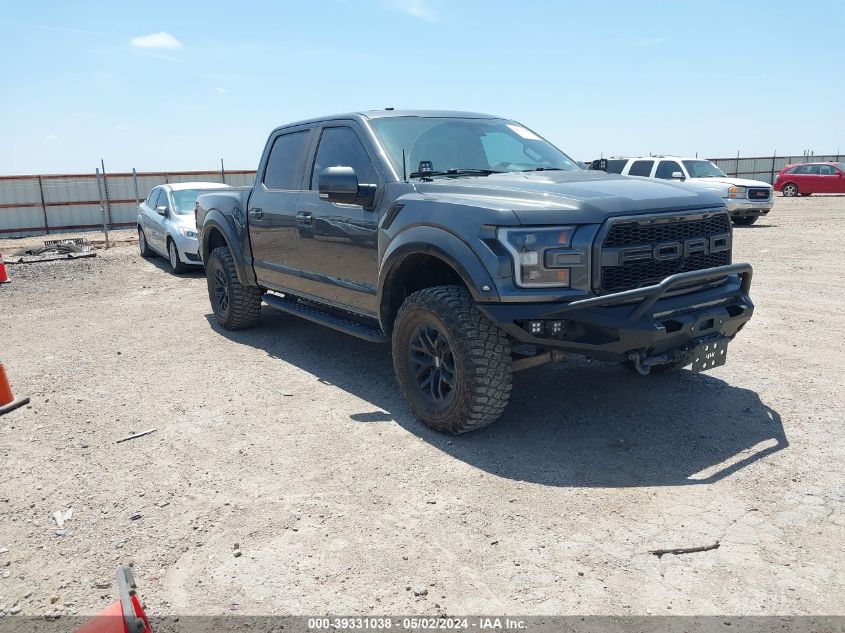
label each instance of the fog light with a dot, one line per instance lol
(557, 327)
(536, 327)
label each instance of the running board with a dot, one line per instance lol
(333, 320)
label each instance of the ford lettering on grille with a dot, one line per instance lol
(640, 252)
(675, 250)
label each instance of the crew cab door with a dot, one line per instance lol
(338, 248)
(272, 208)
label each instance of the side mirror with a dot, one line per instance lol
(162, 210)
(340, 185)
(677, 175)
(600, 164)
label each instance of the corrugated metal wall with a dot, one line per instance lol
(30, 205)
(765, 168)
(53, 203)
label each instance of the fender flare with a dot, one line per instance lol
(446, 246)
(215, 220)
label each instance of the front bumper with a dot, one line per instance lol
(743, 208)
(188, 248)
(671, 317)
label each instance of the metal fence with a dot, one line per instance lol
(76, 202)
(765, 168)
(44, 204)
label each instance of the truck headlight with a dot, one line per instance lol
(186, 232)
(736, 192)
(535, 253)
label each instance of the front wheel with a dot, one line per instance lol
(746, 220)
(790, 190)
(175, 261)
(452, 364)
(235, 306)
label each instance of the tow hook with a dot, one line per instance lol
(643, 365)
(634, 357)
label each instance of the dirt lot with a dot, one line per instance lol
(291, 440)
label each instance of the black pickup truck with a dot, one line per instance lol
(476, 247)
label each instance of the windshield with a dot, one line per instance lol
(185, 200)
(703, 169)
(466, 145)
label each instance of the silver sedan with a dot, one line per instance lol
(167, 226)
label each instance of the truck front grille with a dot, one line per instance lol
(758, 194)
(641, 252)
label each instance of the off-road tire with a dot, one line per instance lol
(745, 220)
(143, 245)
(790, 190)
(242, 309)
(480, 353)
(178, 267)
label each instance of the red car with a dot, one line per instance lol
(806, 178)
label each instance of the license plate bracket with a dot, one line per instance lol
(709, 355)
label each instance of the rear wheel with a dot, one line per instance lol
(235, 305)
(790, 190)
(746, 220)
(452, 364)
(142, 244)
(175, 261)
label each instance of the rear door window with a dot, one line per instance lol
(641, 168)
(287, 161)
(666, 168)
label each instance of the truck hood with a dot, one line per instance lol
(727, 181)
(583, 197)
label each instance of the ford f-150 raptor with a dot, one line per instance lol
(477, 248)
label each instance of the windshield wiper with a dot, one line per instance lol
(459, 172)
(543, 169)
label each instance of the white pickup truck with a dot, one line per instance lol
(746, 199)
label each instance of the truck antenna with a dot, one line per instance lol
(404, 170)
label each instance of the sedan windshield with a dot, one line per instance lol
(466, 147)
(185, 200)
(703, 169)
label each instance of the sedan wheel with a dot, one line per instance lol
(175, 263)
(790, 190)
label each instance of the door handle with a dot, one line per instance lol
(304, 217)
(256, 213)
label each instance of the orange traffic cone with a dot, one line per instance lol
(124, 616)
(4, 278)
(7, 400)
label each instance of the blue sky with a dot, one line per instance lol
(179, 85)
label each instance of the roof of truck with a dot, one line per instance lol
(383, 114)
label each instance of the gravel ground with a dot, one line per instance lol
(291, 441)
